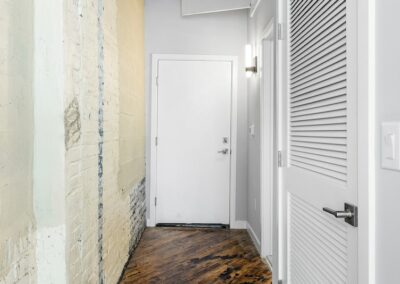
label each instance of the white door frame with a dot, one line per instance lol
(151, 222)
(366, 138)
(268, 147)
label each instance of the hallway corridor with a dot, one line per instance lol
(179, 255)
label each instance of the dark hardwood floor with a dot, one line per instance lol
(179, 255)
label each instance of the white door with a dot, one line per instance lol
(322, 142)
(194, 141)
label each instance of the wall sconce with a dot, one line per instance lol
(251, 63)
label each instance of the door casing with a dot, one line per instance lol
(151, 222)
(268, 147)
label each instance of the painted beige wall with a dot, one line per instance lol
(131, 84)
(124, 128)
(17, 222)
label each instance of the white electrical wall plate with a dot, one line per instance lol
(390, 146)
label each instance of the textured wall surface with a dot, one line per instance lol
(101, 87)
(124, 132)
(81, 141)
(17, 233)
(104, 123)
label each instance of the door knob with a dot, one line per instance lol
(350, 214)
(224, 151)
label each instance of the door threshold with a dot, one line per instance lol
(193, 225)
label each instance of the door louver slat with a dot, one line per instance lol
(318, 247)
(321, 13)
(325, 32)
(328, 92)
(325, 71)
(318, 65)
(322, 153)
(318, 88)
(316, 80)
(317, 102)
(331, 51)
(319, 108)
(324, 48)
(302, 8)
(319, 146)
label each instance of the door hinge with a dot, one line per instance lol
(280, 162)
(280, 32)
(156, 141)
(157, 81)
(280, 281)
(155, 201)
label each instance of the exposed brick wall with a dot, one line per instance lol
(81, 87)
(120, 205)
(17, 224)
(123, 146)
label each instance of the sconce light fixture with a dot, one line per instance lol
(251, 63)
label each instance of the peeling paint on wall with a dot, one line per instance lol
(72, 124)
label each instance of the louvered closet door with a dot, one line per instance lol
(321, 140)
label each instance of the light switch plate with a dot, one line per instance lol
(390, 146)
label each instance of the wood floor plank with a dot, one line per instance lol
(181, 255)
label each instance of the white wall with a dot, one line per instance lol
(387, 109)
(166, 31)
(49, 170)
(192, 7)
(256, 27)
(17, 219)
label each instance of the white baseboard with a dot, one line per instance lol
(239, 224)
(254, 238)
(150, 224)
(268, 261)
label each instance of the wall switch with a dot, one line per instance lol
(390, 146)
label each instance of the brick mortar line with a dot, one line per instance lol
(100, 26)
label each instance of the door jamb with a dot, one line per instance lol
(366, 140)
(268, 147)
(156, 58)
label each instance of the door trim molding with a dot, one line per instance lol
(151, 221)
(366, 140)
(267, 134)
